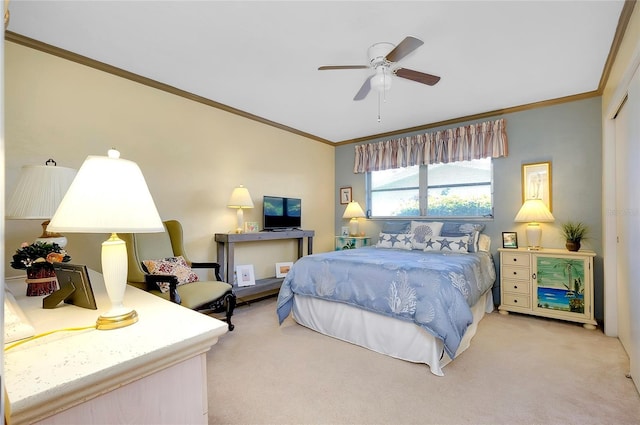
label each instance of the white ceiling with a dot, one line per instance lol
(262, 57)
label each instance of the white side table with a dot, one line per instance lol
(351, 242)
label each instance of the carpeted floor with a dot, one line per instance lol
(518, 370)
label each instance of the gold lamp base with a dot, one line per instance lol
(115, 322)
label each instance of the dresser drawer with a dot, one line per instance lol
(511, 272)
(518, 286)
(515, 259)
(516, 300)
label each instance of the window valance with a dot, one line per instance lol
(482, 140)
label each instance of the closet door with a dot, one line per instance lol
(633, 128)
(628, 223)
(623, 192)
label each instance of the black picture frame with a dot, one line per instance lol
(75, 287)
(510, 240)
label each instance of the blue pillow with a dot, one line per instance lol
(451, 228)
(400, 226)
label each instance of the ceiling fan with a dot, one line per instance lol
(383, 58)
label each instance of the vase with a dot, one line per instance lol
(41, 281)
(573, 245)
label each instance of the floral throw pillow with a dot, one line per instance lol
(176, 266)
(395, 240)
(448, 243)
(423, 231)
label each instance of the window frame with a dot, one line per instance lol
(423, 187)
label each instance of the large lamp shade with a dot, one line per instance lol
(38, 194)
(109, 195)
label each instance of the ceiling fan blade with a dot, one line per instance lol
(364, 90)
(418, 76)
(406, 46)
(328, 67)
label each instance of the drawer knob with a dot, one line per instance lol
(515, 301)
(515, 273)
(515, 286)
(515, 259)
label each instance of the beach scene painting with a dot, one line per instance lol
(560, 284)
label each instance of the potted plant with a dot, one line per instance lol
(37, 259)
(573, 233)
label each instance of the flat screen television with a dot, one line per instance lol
(281, 213)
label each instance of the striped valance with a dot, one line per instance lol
(482, 140)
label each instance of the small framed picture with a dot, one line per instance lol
(509, 240)
(345, 195)
(283, 268)
(75, 287)
(245, 275)
(345, 231)
(251, 227)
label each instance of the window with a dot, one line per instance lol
(457, 189)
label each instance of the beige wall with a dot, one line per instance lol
(192, 155)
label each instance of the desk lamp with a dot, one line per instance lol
(353, 211)
(534, 212)
(38, 194)
(110, 195)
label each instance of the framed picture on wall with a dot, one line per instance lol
(345, 195)
(536, 182)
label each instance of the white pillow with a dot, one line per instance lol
(484, 243)
(448, 243)
(394, 240)
(422, 231)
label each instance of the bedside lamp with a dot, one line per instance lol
(354, 212)
(534, 212)
(37, 196)
(240, 199)
(109, 195)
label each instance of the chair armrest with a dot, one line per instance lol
(153, 280)
(214, 266)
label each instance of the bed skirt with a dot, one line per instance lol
(385, 335)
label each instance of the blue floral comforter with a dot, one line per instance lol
(432, 289)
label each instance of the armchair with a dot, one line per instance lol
(204, 296)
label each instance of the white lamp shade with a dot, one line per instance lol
(109, 194)
(240, 198)
(534, 211)
(39, 191)
(353, 210)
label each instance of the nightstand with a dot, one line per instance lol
(351, 242)
(552, 283)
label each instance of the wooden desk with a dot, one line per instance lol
(153, 371)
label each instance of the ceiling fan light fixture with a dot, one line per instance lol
(382, 80)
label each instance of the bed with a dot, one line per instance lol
(419, 300)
